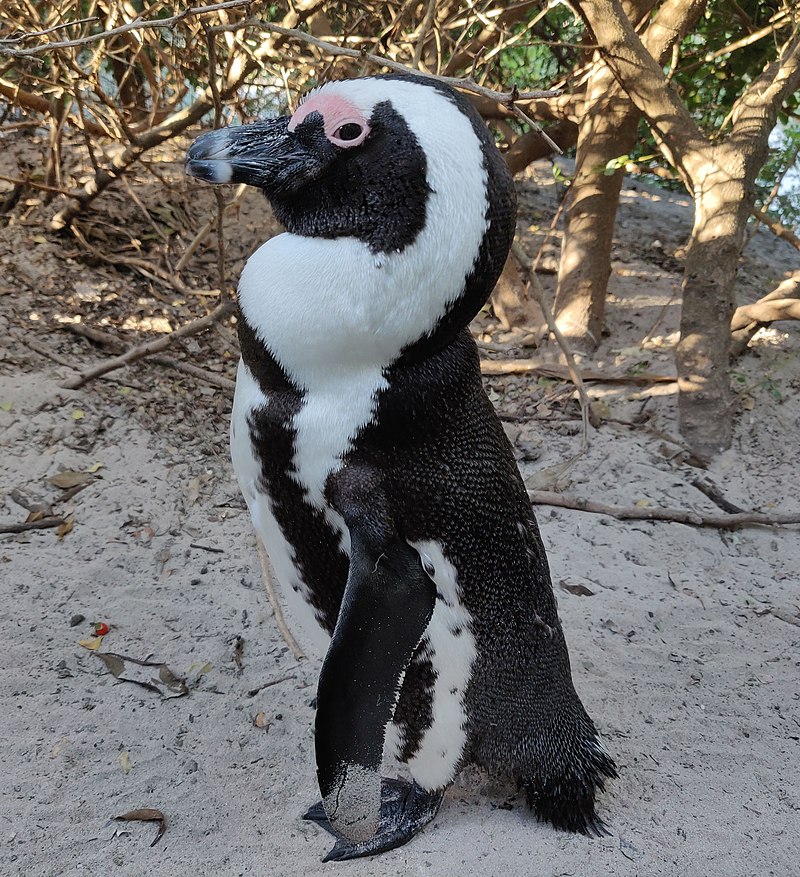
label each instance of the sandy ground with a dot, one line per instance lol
(684, 641)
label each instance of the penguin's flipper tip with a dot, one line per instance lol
(405, 809)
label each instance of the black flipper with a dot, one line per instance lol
(387, 604)
(405, 809)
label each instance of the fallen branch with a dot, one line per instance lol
(142, 350)
(562, 372)
(677, 516)
(41, 524)
(770, 311)
(116, 344)
(783, 303)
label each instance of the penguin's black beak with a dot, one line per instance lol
(265, 155)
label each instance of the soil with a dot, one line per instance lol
(684, 641)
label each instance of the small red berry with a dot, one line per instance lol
(100, 628)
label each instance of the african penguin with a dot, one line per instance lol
(375, 469)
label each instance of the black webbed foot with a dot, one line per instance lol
(405, 809)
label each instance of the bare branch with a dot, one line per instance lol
(777, 228)
(137, 24)
(677, 516)
(141, 350)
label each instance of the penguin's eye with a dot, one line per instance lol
(350, 131)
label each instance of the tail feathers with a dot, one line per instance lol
(566, 798)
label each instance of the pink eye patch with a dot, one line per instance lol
(343, 122)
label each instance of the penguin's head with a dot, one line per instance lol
(359, 158)
(404, 165)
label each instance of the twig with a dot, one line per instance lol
(538, 128)
(714, 494)
(563, 373)
(34, 185)
(142, 350)
(207, 548)
(136, 24)
(538, 294)
(425, 30)
(177, 364)
(42, 33)
(207, 229)
(280, 622)
(146, 269)
(678, 516)
(776, 228)
(117, 344)
(41, 524)
(254, 691)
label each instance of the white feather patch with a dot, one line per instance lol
(293, 590)
(452, 655)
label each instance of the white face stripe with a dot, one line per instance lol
(438, 758)
(335, 315)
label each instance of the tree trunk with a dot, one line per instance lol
(607, 131)
(705, 403)
(723, 182)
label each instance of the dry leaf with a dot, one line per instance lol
(125, 761)
(95, 467)
(92, 643)
(152, 675)
(192, 493)
(642, 503)
(66, 480)
(260, 721)
(6, 406)
(78, 414)
(66, 527)
(146, 814)
(579, 590)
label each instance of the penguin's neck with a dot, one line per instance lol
(332, 311)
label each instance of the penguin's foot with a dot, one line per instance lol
(405, 809)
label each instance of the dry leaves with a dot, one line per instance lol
(146, 814)
(579, 590)
(152, 675)
(69, 478)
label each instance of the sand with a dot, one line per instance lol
(685, 650)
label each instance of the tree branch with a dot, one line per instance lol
(754, 113)
(678, 516)
(7, 48)
(776, 228)
(641, 76)
(141, 350)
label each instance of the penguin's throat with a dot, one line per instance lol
(331, 306)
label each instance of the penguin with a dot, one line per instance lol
(376, 471)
